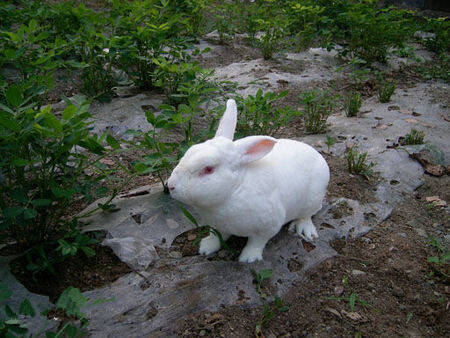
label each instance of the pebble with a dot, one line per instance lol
(175, 254)
(191, 237)
(358, 272)
(398, 292)
(338, 290)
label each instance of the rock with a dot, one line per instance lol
(421, 232)
(175, 254)
(428, 159)
(424, 35)
(358, 272)
(136, 253)
(338, 290)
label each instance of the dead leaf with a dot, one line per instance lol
(393, 108)
(412, 121)
(382, 126)
(405, 111)
(436, 201)
(446, 118)
(354, 316)
(107, 161)
(434, 169)
(333, 311)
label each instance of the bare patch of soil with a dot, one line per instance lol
(229, 54)
(386, 271)
(80, 271)
(344, 184)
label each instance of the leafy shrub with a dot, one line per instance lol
(71, 301)
(32, 62)
(385, 91)
(144, 32)
(319, 105)
(352, 103)
(414, 137)
(357, 163)
(257, 116)
(47, 163)
(440, 43)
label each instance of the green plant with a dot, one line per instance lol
(33, 62)
(352, 103)
(385, 91)
(71, 301)
(269, 312)
(439, 264)
(439, 68)
(353, 299)
(257, 116)
(260, 276)
(224, 19)
(357, 163)
(46, 163)
(414, 137)
(329, 142)
(319, 105)
(440, 42)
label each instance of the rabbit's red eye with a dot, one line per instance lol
(207, 170)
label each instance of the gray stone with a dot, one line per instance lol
(358, 272)
(135, 252)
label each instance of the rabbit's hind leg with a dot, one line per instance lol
(211, 243)
(305, 228)
(252, 252)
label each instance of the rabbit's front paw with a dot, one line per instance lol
(306, 229)
(250, 255)
(209, 245)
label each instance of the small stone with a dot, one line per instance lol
(202, 333)
(175, 254)
(402, 234)
(338, 290)
(358, 272)
(191, 237)
(421, 232)
(222, 254)
(398, 292)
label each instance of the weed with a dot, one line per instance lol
(319, 105)
(257, 116)
(439, 264)
(260, 276)
(352, 104)
(414, 137)
(357, 163)
(329, 142)
(269, 312)
(385, 91)
(353, 299)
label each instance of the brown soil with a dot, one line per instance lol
(80, 271)
(387, 270)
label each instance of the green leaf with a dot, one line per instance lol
(20, 162)
(7, 121)
(433, 259)
(265, 273)
(88, 251)
(69, 112)
(351, 301)
(41, 202)
(12, 212)
(188, 215)
(140, 167)
(29, 213)
(52, 121)
(26, 308)
(14, 96)
(112, 142)
(5, 294)
(9, 312)
(71, 301)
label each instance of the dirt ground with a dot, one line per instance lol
(386, 270)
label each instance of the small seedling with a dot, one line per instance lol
(439, 263)
(352, 299)
(357, 163)
(352, 104)
(329, 142)
(385, 92)
(414, 137)
(269, 313)
(319, 105)
(260, 277)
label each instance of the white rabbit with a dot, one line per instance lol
(250, 187)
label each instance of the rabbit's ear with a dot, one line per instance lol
(253, 148)
(227, 123)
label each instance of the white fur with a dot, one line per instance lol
(258, 185)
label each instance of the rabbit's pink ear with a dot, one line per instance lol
(253, 148)
(227, 123)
